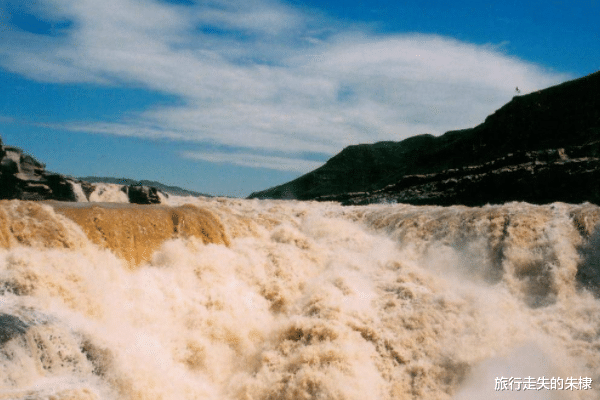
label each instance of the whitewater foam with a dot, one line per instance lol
(269, 300)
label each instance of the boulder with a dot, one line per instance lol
(10, 327)
(138, 194)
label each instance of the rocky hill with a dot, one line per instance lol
(541, 147)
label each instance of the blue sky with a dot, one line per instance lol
(229, 97)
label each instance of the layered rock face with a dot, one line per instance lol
(568, 175)
(540, 148)
(23, 177)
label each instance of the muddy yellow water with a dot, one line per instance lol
(273, 300)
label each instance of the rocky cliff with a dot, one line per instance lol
(541, 147)
(25, 178)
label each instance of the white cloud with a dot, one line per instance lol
(256, 161)
(271, 79)
(262, 17)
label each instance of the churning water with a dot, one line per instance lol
(275, 300)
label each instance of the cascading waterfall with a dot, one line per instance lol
(262, 300)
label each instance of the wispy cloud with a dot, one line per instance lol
(267, 77)
(280, 163)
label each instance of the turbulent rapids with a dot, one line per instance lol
(278, 300)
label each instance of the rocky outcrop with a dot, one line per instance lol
(546, 176)
(141, 194)
(540, 148)
(23, 177)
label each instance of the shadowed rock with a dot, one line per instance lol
(10, 327)
(540, 148)
(141, 194)
(539, 177)
(588, 273)
(23, 177)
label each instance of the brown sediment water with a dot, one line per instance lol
(133, 232)
(236, 299)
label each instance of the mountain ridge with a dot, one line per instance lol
(561, 116)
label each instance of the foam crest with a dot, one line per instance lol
(531, 248)
(34, 224)
(108, 193)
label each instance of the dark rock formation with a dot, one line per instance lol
(541, 147)
(23, 177)
(588, 272)
(141, 194)
(87, 188)
(10, 327)
(540, 177)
